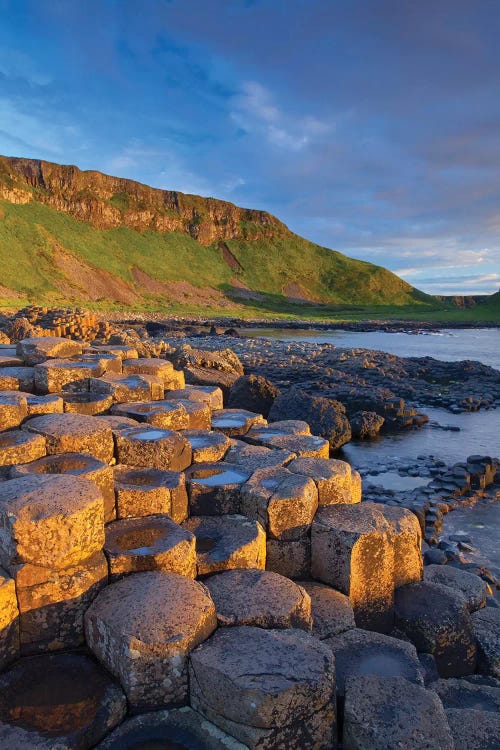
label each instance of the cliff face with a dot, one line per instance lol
(108, 202)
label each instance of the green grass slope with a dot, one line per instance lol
(32, 235)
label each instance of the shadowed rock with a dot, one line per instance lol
(325, 416)
(486, 627)
(9, 620)
(268, 688)
(472, 587)
(331, 611)
(389, 713)
(214, 489)
(254, 393)
(58, 701)
(260, 598)
(289, 558)
(142, 629)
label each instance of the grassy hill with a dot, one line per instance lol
(75, 237)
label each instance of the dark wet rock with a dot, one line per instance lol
(486, 627)
(253, 393)
(326, 417)
(366, 425)
(456, 693)
(332, 611)
(471, 586)
(474, 729)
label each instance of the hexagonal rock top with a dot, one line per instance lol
(158, 449)
(163, 414)
(472, 587)
(304, 446)
(208, 394)
(13, 408)
(79, 433)
(128, 387)
(177, 728)
(18, 446)
(331, 611)
(57, 701)
(260, 434)
(285, 503)
(152, 542)
(79, 465)
(390, 712)
(267, 688)
(49, 521)
(227, 542)
(234, 422)
(332, 478)
(142, 629)
(143, 492)
(207, 446)
(261, 598)
(486, 626)
(36, 350)
(215, 488)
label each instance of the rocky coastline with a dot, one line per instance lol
(185, 559)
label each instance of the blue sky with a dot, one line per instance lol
(369, 126)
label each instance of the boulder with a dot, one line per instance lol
(142, 629)
(152, 542)
(436, 619)
(365, 425)
(260, 598)
(325, 416)
(227, 542)
(389, 713)
(57, 701)
(254, 393)
(267, 688)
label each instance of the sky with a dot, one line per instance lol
(368, 126)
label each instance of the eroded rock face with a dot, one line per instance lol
(58, 701)
(260, 598)
(142, 629)
(254, 393)
(9, 620)
(486, 628)
(325, 416)
(268, 688)
(390, 712)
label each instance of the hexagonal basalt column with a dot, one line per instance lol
(260, 434)
(261, 598)
(118, 350)
(267, 688)
(52, 602)
(39, 349)
(353, 551)
(74, 433)
(149, 543)
(198, 413)
(161, 368)
(142, 629)
(227, 542)
(290, 559)
(179, 728)
(235, 422)
(87, 403)
(107, 361)
(162, 414)
(53, 375)
(49, 521)
(210, 395)
(207, 446)
(9, 620)
(19, 445)
(284, 503)
(128, 387)
(158, 449)
(143, 492)
(253, 457)
(407, 541)
(13, 409)
(332, 478)
(78, 465)
(215, 489)
(332, 611)
(49, 404)
(58, 701)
